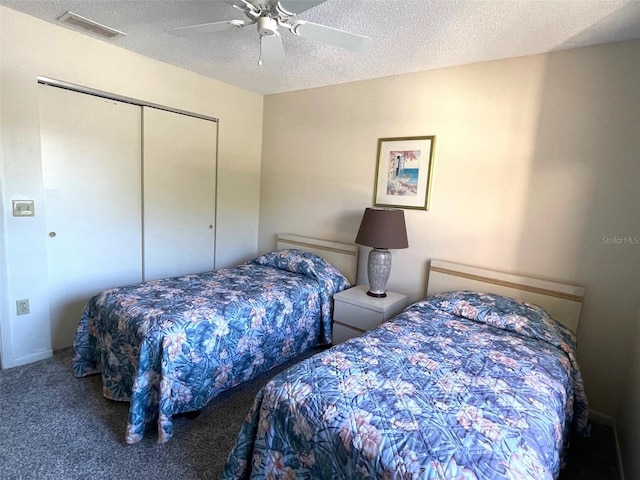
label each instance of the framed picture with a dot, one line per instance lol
(403, 175)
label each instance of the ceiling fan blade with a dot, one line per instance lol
(271, 49)
(195, 30)
(243, 5)
(294, 7)
(333, 36)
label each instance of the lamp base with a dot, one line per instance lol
(378, 269)
(377, 295)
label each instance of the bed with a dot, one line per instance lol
(169, 346)
(473, 382)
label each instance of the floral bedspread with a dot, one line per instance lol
(169, 346)
(459, 386)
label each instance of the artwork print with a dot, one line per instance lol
(404, 170)
(403, 176)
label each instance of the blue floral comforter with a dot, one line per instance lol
(459, 386)
(169, 346)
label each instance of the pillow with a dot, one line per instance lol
(505, 313)
(307, 263)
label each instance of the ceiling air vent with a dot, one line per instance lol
(78, 21)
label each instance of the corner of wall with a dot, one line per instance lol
(603, 419)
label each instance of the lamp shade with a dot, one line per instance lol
(383, 228)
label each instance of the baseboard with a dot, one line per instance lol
(620, 467)
(34, 357)
(603, 419)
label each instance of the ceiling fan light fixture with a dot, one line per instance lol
(267, 26)
(272, 17)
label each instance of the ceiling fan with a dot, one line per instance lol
(272, 16)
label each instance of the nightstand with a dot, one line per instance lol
(355, 312)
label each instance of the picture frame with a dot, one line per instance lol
(404, 172)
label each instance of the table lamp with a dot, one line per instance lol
(381, 229)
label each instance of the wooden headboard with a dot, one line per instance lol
(562, 301)
(343, 256)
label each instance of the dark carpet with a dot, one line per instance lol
(55, 426)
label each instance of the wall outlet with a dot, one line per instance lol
(23, 208)
(22, 306)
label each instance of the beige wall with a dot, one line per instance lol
(31, 47)
(536, 172)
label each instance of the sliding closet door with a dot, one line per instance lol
(91, 159)
(179, 191)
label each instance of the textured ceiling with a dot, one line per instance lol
(407, 35)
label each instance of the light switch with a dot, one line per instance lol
(23, 208)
